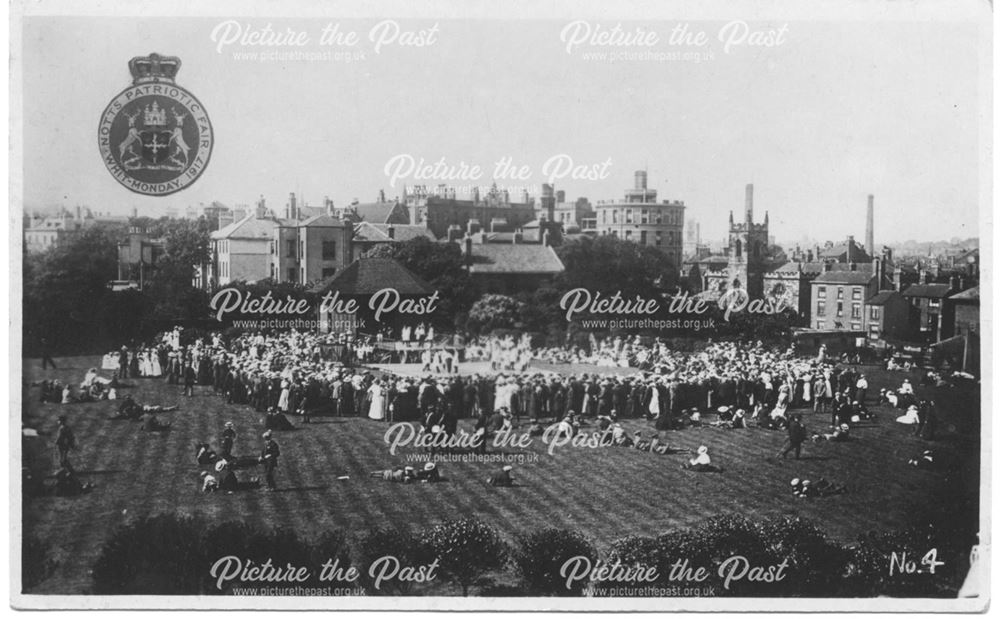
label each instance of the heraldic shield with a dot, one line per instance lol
(155, 137)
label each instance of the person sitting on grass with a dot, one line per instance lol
(735, 420)
(502, 478)
(229, 483)
(701, 463)
(605, 421)
(911, 417)
(208, 482)
(68, 484)
(655, 446)
(535, 429)
(841, 433)
(204, 454)
(695, 417)
(860, 412)
(277, 421)
(620, 438)
(403, 475)
(430, 473)
(639, 443)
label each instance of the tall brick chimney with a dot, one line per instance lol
(870, 227)
(749, 203)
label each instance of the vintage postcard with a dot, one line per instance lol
(509, 306)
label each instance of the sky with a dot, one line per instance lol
(838, 110)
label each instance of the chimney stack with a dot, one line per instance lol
(640, 180)
(897, 278)
(291, 211)
(749, 203)
(870, 227)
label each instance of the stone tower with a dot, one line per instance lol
(748, 250)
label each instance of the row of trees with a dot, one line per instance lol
(174, 555)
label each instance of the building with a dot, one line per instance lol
(965, 310)
(241, 251)
(511, 267)
(639, 218)
(887, 316)
(368, 236)
(935, 318)
(137, 256)
(358, 282)
(46, 233)
(310, 250)
(747, 255)
(838, 298)
(571, 216)
(440, 210)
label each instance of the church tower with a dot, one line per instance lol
(748, 250)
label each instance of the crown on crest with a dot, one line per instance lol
(154, 68)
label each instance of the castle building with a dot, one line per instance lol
(639, 218)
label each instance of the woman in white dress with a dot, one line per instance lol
(145, 366)
(285, 393)
(154, 361)
(377, 409)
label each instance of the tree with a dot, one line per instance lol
(494, 311)
(466, 549)
(606, 264)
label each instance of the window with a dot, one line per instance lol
(855, 310)
(290, 252)
(291, 272)
(819, 324)
(628, 215)
(642, 237)
(856, 293)
(329, 272)
(840, 292)
(855, 326)
(644, 216)
(821, 292)
(840, 309)
(821, 308)
(302, 249)
(874, 312)
(873, 332)
(274, 247)
(659, 216)
(934, 303)
(628, 235)
(614, 216)
(329, 250)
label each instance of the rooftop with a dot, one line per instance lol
(366, 276)
(930, 291)
(515, 258)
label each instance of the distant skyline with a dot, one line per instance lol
(840, 110)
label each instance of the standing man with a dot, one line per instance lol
(65, 441)
(189, 379)
(796, 436)
(269, 457)
(123, 362)
(861, 389)
(46, 353)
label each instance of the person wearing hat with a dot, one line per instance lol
(796, 436)
(208, 482)
(840, 433)
(269, 458)
(204, 454)
(430, 473)
(701, 462)
(65, 441)
(228, 438)
(502, 478)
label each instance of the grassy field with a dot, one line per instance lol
(605, 493)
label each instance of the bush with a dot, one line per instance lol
(466, 549)
(816, 566)
(389, 541)
(542, 555)
(155, 555)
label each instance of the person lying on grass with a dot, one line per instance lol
(403, 475)
(805, 489)
(841, 433)
(429, 473)
(132, 410)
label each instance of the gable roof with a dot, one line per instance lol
(321, 220)
(861, 276)
(366, 276)
(930, 291)
(514, 258)
(367, 231)
(247, 228)
(968, 296)
(858, 253)
(375, 212)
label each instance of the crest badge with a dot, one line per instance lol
(155, 137)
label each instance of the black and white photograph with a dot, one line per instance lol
(554, 306)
